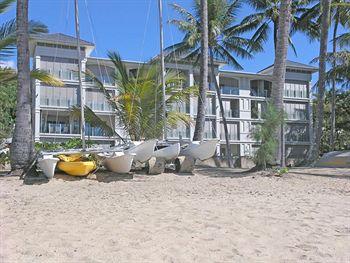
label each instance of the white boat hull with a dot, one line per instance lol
(143, 151)
(118, 162)
(48, 166)
(168, 153)
(200, 150)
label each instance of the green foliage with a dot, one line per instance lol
(263, 133)
(7, 108)
(342, 122)
(4, 158)
(281, 171)
(226, 39)
(138, 100)
(73, 143)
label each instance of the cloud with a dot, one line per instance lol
(8, 64)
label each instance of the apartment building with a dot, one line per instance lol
(244, 97)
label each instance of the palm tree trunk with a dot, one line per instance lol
(218, 93)
(203, 85)
(332, 137)
(22, 147)
(325, 22)
(279, 71)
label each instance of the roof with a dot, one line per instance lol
(60, 38)
(295, 65)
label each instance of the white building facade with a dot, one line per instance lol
(244, 97)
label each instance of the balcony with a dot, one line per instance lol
(69, 75)
(68, 129)
(228, 90)
(232, 113)
(176, 134)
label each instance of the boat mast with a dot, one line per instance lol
(82, 98)
(162, 64)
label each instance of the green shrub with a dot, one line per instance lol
(265, 134)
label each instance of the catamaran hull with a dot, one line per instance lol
(200, 150)
(119, 163)
(48, 166)
(143, 152)
(169, 152)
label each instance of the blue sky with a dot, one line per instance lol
(131, 28)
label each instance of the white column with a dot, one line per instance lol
(37, 102)
(191, 83)
(218, 115)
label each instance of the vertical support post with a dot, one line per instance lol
(162, 65)
(82, 98)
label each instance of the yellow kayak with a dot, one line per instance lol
(78, 168)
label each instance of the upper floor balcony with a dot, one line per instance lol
(229, 90)
(260, 88)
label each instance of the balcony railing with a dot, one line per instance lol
(228, 90)
(231, 136)
(63, 128)
(177, 134)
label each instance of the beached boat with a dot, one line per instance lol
(169, 152)
(78, 168)
(117, 162)
(200, 150)
(75, 165)
(143, 150)
(48, 165)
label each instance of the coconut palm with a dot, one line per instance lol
(203, 85)
(225, 41)
(138, 103)
(340, 15)
(325, 22)
(267, 16)
(8, 31)
(22, 147)
(279, 71)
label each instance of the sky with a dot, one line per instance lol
(130, 27)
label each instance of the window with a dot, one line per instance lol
(296, 111)
(232, 131)
(295, 90)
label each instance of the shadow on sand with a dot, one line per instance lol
(223, 172)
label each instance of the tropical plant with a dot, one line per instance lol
(7, 108)
(22, 146)
(138, 103)
(8, 31)
(267, 16)
(203, 85)
(225, 41)
(325, 23)
(340, 16)
(273, 119)
(342, 124)
(279, 72)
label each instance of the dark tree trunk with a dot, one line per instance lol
(203, 85)
(325, 22)
(22, 147)
(279, 72)
(332, 137)
(218, 93)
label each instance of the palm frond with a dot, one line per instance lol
(5, 4)
(46, 77)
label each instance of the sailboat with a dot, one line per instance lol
(72, 166)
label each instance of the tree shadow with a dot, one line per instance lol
(223, 172)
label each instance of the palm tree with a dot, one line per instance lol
(137, 100)
(22, 147)
(325, 22)
(340, 17)
(267, 17)
(279, 71)
(8, 36)
(203, 85)
(225, 39)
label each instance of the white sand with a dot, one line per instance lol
(208, 217)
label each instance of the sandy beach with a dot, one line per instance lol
(214, 215)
